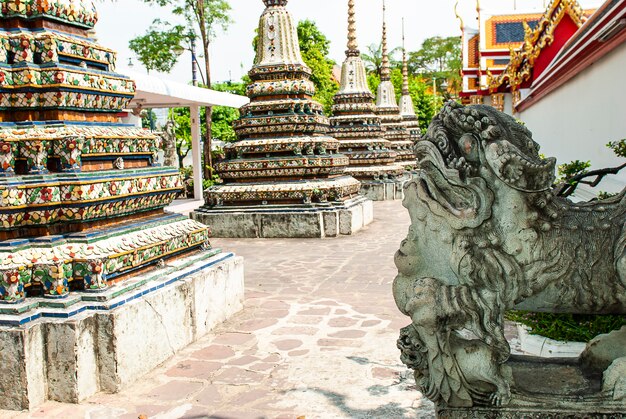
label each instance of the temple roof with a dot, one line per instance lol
(537, 39)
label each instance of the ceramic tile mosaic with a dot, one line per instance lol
(66, 181)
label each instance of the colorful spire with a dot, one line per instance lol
(353, 74)
(269, 3)
(353, 45)
(405, 66)
(385, 71)
(407, 109)
(278, 37)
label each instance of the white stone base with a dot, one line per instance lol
(330, 220)
(548, 348)
(383, 191)
(71, 359)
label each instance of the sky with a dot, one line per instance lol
(231, 51)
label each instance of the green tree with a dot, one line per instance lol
(315, 47)
(373, 58)
(157, 48)
(425, 104)
(440, 59)
(221, 127)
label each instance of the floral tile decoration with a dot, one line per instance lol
(74, 218)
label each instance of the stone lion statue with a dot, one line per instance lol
(488, 235)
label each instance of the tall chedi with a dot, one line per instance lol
(356, 125)
(387, 108)
(92, 269)
(283, 177)
(407, 109)
(71, 173)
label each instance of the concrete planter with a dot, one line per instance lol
(547, 348)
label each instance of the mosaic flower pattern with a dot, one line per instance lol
(7, 158)
(79, 13)
(93, 262)
(44, 69)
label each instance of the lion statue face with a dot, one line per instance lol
(474, 161)
(471, 154)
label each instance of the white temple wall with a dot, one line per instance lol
(578, 119)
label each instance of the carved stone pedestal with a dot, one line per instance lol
(549, 388)
(331, 219)
(383, 190)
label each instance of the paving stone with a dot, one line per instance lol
(194, 369)
(244, 360)
(299, 330)
(315, 311)
(370, 323)
(256, 324)
(275, 305)
(175, 390)
(271, 314)
(287, 344)
(342, 322)
(234, 338)
(273, 358)
(249, 397)
(384, 373)
(348, 334)
(306, 319)
(261, 367)
(209, 396)
(214, 352)
(301, 352)
(237, 376)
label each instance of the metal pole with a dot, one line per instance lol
(194, 70)
(196, 151)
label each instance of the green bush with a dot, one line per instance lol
(567, 327)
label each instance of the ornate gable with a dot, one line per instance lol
(523, 60)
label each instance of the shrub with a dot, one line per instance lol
(567, 327)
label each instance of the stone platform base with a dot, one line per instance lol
(68, 354)
(275, 221)
(522, 413)
(549, 388)
(383, 190)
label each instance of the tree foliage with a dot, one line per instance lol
(155, 49)
(203, 18)
(315, 47)
(373, 58)
(425, 104)
(439, 58)
(221, 127)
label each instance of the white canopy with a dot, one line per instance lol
(155, 93)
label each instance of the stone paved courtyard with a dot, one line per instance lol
(316, 339)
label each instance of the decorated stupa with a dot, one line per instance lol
(357, 127)
(407, 108)
(82, 195)
(389, 111)
(283, 177)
